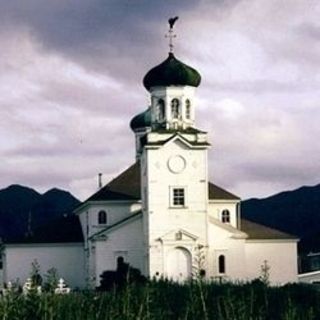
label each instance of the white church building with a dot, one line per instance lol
(162, 215)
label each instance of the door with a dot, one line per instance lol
(179, 264)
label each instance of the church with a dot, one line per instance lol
(162, 215)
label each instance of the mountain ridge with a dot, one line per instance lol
(296, 212)
(22, 208)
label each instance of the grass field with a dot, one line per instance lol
(167, 300)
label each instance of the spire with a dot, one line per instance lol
(170, 34)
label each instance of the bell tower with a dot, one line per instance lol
(172, 154)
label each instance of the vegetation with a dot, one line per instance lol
(167, 300)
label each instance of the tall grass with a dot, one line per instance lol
(167, 300)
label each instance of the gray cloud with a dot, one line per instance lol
(71, 74)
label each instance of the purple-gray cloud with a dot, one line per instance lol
(71, 79)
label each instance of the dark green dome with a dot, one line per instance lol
(171, 72)
(141, 120)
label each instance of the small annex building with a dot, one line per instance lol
(57, 246)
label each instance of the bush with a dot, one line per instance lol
(119, 278)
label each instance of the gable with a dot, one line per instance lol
(178, 235)
(174, 138)
(102, 233)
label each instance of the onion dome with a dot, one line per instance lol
(171, 72)
(141, 120)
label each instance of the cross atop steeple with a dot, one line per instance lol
(171, 35)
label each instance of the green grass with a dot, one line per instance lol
(167, 300)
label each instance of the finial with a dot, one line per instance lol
(171, 35)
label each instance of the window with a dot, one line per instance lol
(102, 217)
(160, 110)
(222, 264)
(188, 109)
(175, 108)
(179, 235)
(178, 197)
(225, 216)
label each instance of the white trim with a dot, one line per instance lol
(45, 244)
(271, 240)
(103, 202)
(171, 197)
(213, 201)
(308, 274)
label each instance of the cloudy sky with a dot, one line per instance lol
(71, 79)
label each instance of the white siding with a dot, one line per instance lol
(281, 256)
(127, 241)
(222, 243)
(67, 258)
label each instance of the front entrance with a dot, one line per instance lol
(179, 264)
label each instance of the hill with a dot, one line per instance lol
(296, 212)
(23, 209)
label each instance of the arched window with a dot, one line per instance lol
(222, 264)
(225, 216)
(160, 110)
(175, 108)
(102, 217)
(188, 109)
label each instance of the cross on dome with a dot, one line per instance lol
(171, 35)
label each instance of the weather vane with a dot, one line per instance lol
(171, 35)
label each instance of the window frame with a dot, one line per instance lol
(221, 264)
(175, 114)
(175, 200)
(188, 109)
(161, 109)
(225, 216)
(102, 218)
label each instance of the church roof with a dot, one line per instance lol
(141, 120)
(171, 72)
(61, 230)
(257, 231)
(127, 186)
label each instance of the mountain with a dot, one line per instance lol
(296, 212)
(23, 209)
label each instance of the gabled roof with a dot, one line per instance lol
(217, 193)
(62, 230)
(261, 232)
(127, 186)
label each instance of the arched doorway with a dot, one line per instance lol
(179, 264)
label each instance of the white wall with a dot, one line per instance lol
(67, 258)
(222, 243)
(116, 211)
(158, 179)
(125, 241)
(281, 256)
(215, 209)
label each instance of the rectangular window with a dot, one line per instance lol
(178, 197)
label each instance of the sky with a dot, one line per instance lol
(71, 80)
